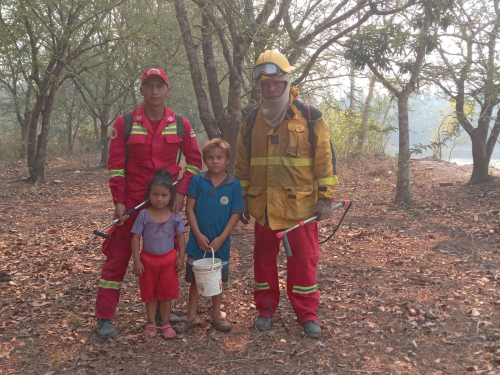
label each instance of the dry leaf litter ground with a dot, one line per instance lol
(403, 290)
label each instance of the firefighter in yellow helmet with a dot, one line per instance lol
(286, 166)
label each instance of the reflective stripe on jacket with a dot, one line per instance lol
(149, 152)
(283, 177)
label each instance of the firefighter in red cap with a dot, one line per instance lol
(286, 166)
(142, 142)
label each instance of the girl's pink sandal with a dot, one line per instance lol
(167, 332)
(150, 330)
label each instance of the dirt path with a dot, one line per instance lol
(403, 290)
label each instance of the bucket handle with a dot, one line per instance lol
(213, 256)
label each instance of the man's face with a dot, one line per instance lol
(155, 90)
(272, 90)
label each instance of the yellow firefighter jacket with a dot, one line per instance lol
(284, 175)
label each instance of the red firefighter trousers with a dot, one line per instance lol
(301, 271)
(118, 251)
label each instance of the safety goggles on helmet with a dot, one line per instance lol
(267, 69)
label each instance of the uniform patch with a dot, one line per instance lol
(138, 118)
(153, 71)
(224, 200)
(114, 133)
(192, 133)
(170, 119)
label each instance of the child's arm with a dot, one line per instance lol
(138, 268)
(203, 241)
(217, 242)
(181, 243)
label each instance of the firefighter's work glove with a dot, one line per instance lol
(323, 209)
(245, 217)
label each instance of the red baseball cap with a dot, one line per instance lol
(154, 72)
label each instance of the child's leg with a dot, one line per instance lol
(151, 311)
(194, 298)
(216, 303)
(165, 307)
(166, 329)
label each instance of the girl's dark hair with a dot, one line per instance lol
(163, 178)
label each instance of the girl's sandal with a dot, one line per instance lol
(184, 326)
(167, 332)
(222, 325)
(150, 330)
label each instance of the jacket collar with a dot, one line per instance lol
(227, 181)
(139, 116)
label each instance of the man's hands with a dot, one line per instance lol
(119, 211)
(323, 209)
(245, 217)
(178, 203)
(138, 268)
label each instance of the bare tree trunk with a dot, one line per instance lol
(133, 94)
(69, 123)
(480, 157)
(352, 93)
(364, 118)
(32, 134)
(37, 165)
(25, 122)
(104, 138)
(403, 193)
(24, 135)
(210, 68)
(78, 121)
(201, 97)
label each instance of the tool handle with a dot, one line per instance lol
(100, 234)
(286, 245)
(302, 223)
(130, 212)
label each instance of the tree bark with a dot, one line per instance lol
(201, 97)
(69, 123)
(104, 138)
(352, 93)
(403, 193)
(24, 121)
(96, 130)
(480, 158)
(24, 135)
(37, 166)
(364, 118)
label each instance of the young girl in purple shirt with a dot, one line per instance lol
(158, 264)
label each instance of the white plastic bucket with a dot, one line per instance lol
(208, 276)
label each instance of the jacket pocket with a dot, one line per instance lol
(298, 144)
(256, 201)
(136, 146)
(300, 202)
(173, 138)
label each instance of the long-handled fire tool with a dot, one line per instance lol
(101, 233)
(282, 235)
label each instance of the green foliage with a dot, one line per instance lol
(375, 45)
(345, 128)
(448, 131)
